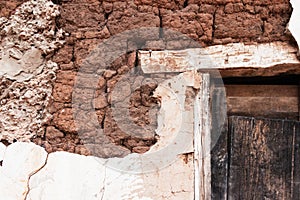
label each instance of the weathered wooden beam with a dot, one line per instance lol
(202, 141)
(272, 101)
(283, 107)
(223, 57)
(262, 90)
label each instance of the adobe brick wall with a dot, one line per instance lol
(89, 22)
(209, 22)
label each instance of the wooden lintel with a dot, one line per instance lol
(280, 55)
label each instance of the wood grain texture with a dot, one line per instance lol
(283, 107)
(219, 167)
(219, 142)
(296, 162)
(202, 140)
(262, 90)
(299, 101)
(279, 55)
(271, 101)
(261, 159)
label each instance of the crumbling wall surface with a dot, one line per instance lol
(90, 22)
(26, 75)
(207, 21)
(8, 7)
(28, 172)
(36, 93)
(45, 43)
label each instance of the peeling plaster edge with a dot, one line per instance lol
(3, 153)
(196, 151)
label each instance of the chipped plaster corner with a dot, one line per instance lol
(2, 151)
(27, 37)
(294, 22)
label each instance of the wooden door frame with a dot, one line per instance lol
(280, 58)
(202, 140)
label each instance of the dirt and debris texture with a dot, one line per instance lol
(27, 36)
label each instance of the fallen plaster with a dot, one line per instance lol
(230, 56)
(294, 22)
(27, 36)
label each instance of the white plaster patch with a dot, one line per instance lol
(174, 117)
(29, 173)
(20, 161)
(68, 176)
(129, 186)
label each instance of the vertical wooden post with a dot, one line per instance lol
(219, 142)
(202, 140)
(299, 101)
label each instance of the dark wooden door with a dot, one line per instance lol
(257, 159)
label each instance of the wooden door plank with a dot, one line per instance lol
(219, 167)
(260, 159)
(219, 141)
(296, 163)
